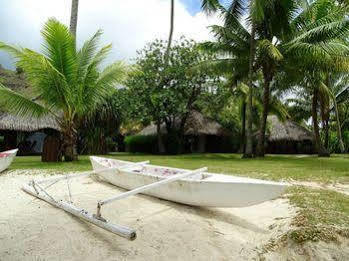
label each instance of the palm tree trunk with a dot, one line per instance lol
(326, 134)
(266, 95)
(243, 128)
(74, 16)
(249, 135)
(339, 130)
(318, 143)
(161, 146)
(69, 143)
(171, 32)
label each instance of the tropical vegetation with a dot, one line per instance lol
(67, 83)
(164, 90)
(293, 44)
(286, 58)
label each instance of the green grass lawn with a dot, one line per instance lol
(281, 167)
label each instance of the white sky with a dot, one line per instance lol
(128, 24)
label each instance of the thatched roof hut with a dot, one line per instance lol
(17, 82)
(11, 125)
(288, 137)
(287, 130)
(17, 123)
(202, 134)
(197, 124)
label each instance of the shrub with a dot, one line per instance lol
(334, 144)
(141, 143)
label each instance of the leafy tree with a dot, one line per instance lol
(67, 82)
(165, 92)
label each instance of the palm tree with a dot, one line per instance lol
(171, 30)
(265, 25)
(67, 82)
(316, 47)
(338, 85)
(235, 10)
(232, 49)
(267, 19)
(74, 16)
(161, 146)
(271, 29)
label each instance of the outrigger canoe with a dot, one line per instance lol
(190, 187)
(201, 189)
(6, 158)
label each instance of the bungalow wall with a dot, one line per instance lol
(212, 144)
(290, 147)
(28, 143)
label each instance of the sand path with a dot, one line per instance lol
(31, 229)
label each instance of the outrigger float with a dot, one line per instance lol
(190, 187)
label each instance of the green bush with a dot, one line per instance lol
(148, 144)
(334, 144)
(141, 143)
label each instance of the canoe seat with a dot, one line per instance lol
(166, 172)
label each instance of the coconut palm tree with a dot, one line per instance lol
(74, 16)
(68, 82)
(235, 10)
(339, 88)
(267, 20)
(161, 146)
(316, 47)
(171, 30)
(267, 25)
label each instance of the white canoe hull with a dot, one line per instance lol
(6, 161)
(213, 190)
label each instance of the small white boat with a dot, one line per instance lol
(201, 189)
(6, 158)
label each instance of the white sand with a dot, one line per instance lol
(31, 229)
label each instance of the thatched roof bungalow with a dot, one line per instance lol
(27, 124)
(202, 134)
(197, 124)
(288, 137)
(27, 133)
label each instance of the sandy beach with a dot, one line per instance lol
(31, 229)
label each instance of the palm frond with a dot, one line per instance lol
(87, 53)
(17, 104)
(94, 93)
(210, 6)
(59, 48)
(324, 32)
(266, 48)
(236, 9)
(14, 51)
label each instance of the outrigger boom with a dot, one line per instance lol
(34, 188)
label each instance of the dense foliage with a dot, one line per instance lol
(165, 89)
(67, 83)
(295, 45)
